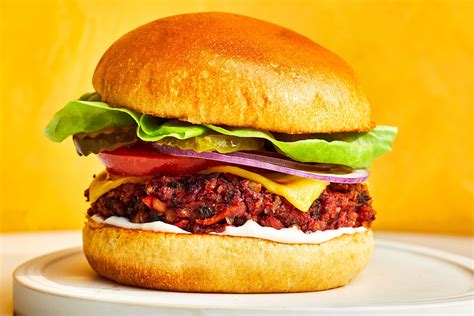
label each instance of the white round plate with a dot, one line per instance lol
(400, 277)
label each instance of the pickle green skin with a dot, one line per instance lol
(89, 115)
(94, 143)
(214, 142)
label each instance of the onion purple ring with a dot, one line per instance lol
(269, 163)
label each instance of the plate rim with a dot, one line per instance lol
(38, 263)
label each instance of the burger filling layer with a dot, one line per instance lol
(290, 235)
(209, 203)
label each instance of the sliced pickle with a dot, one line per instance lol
(214, 142)
(110, 139)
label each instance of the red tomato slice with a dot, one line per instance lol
(142, 162)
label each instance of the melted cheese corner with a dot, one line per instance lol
(301, 192)
(105, 182)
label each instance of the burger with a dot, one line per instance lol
(236, 155)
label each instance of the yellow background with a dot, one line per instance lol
(414, 59)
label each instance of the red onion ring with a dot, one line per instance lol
(268, 163)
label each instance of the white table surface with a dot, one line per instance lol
(17, 248)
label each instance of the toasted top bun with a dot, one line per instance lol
(227, 69)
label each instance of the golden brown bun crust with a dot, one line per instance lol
(227, 69)
(207, 263)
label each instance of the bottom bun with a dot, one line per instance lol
(225, 264)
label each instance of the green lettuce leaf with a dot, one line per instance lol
(153, 128)
(82, 116)
(356, 150)
(88, 115)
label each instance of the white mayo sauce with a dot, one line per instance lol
(250, 229)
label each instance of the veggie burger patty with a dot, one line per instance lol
(208, 203)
